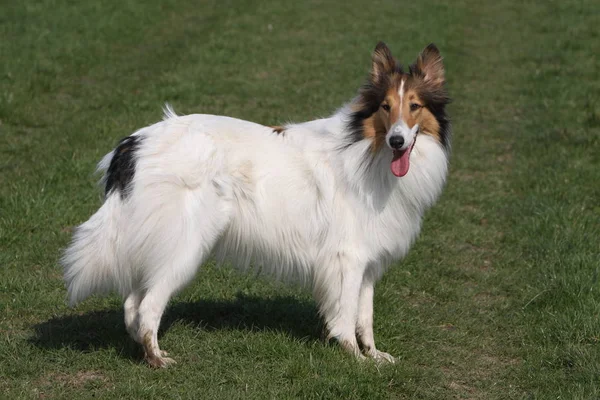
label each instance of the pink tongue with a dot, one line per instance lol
(401, 162)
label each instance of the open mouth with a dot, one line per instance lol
(401, 161)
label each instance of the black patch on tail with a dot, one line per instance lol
(122, 166)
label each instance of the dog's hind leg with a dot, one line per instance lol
(151, 310)
(364, 326)
(131, 306)
(178, 244)
(172, 276)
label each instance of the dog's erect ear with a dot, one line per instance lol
(383, 62)
(429, 65)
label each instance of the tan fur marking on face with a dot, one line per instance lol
(428, 124)
(393, 99)
(372, 128)
(378, 125)
(369, 130)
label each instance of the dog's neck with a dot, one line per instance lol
(359, 169)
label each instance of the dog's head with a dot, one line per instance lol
(394, 107)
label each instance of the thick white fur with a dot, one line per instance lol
(304, 205)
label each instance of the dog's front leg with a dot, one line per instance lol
(337, 289)
(364, 325)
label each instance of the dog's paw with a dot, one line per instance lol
(381, 357)
(160, 362)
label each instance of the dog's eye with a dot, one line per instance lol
(415, 106)
(386, 107)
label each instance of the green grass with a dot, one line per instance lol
(498, 299)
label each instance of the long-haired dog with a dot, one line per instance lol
(330, 202)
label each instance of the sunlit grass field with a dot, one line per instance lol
(498, 299)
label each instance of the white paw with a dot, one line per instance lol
(381, 357)
(160, 362)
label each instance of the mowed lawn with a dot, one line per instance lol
(498, 299)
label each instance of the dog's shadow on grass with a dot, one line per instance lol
(106, 329)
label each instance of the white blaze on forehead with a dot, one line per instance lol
(401, 92)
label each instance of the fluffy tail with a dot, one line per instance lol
(91, 263)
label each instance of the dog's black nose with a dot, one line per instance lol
(396, 141)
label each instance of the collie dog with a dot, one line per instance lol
(330, 202)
